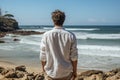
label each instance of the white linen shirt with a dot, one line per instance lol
(58, 48)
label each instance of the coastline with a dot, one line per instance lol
(37, 69)
(29, 69)
(83, 74)
(20, 32)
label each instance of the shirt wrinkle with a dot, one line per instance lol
(58, 48)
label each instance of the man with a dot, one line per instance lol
(58, 52)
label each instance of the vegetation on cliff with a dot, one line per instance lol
(8, 25)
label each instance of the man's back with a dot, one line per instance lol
(58, 45)
(58, 51)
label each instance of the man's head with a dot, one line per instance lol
(58, 17)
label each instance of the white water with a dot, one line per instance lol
(99, 47)
(83, 35)
(81, 29)
(29, 45)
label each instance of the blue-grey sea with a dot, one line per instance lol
(98, 46)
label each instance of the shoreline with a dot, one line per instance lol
(83, 72)
(8, 64)
(20, 32)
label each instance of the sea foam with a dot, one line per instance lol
(99, 47)
(83, 29)
(96, 36)
(27, 41)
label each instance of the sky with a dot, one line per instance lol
(78, 12)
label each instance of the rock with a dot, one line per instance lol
(115, 70)
(14, 74)
(94, 77)
(20, 74)
(2, 41)
(114, 76)
(39, 77)
(11, 74)
(4, 72)
(91, 75)
(90, 72)
(118, 75)
(25, 32)
(8, 24)
(21, 68)
(30, 76)
(109, 74)
(16, 39)
(2, 69)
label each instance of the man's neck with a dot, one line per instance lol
(56, 26)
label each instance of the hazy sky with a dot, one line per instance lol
(78, 12)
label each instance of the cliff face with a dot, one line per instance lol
(8, 24)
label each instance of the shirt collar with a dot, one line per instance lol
(58, 27)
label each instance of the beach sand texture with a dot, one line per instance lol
(9, 71)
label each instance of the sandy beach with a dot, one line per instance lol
(29, 69)
(10, 71)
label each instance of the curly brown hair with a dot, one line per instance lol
(58, 17)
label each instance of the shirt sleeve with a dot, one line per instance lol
(42, 50)
(74, 50)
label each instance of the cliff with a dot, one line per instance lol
(8, 24)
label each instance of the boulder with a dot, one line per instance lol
(94, 77)
(91, 75)
(39, 77)
(4, 72)
(113, 74)
(8, 24)
(90, 72)
(2, 69)
(30, 76)
(11, 74)
(16, 39)
(20, 68)
(20, 74)
(2, 41)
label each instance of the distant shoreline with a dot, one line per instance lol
(69, 25)
(20, 32)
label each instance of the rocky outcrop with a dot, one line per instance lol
(2, 34)
(8, 24)
(20, 73)
(24, 32)
(91, 75)
(100, 75)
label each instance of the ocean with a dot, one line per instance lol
(98, 46)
